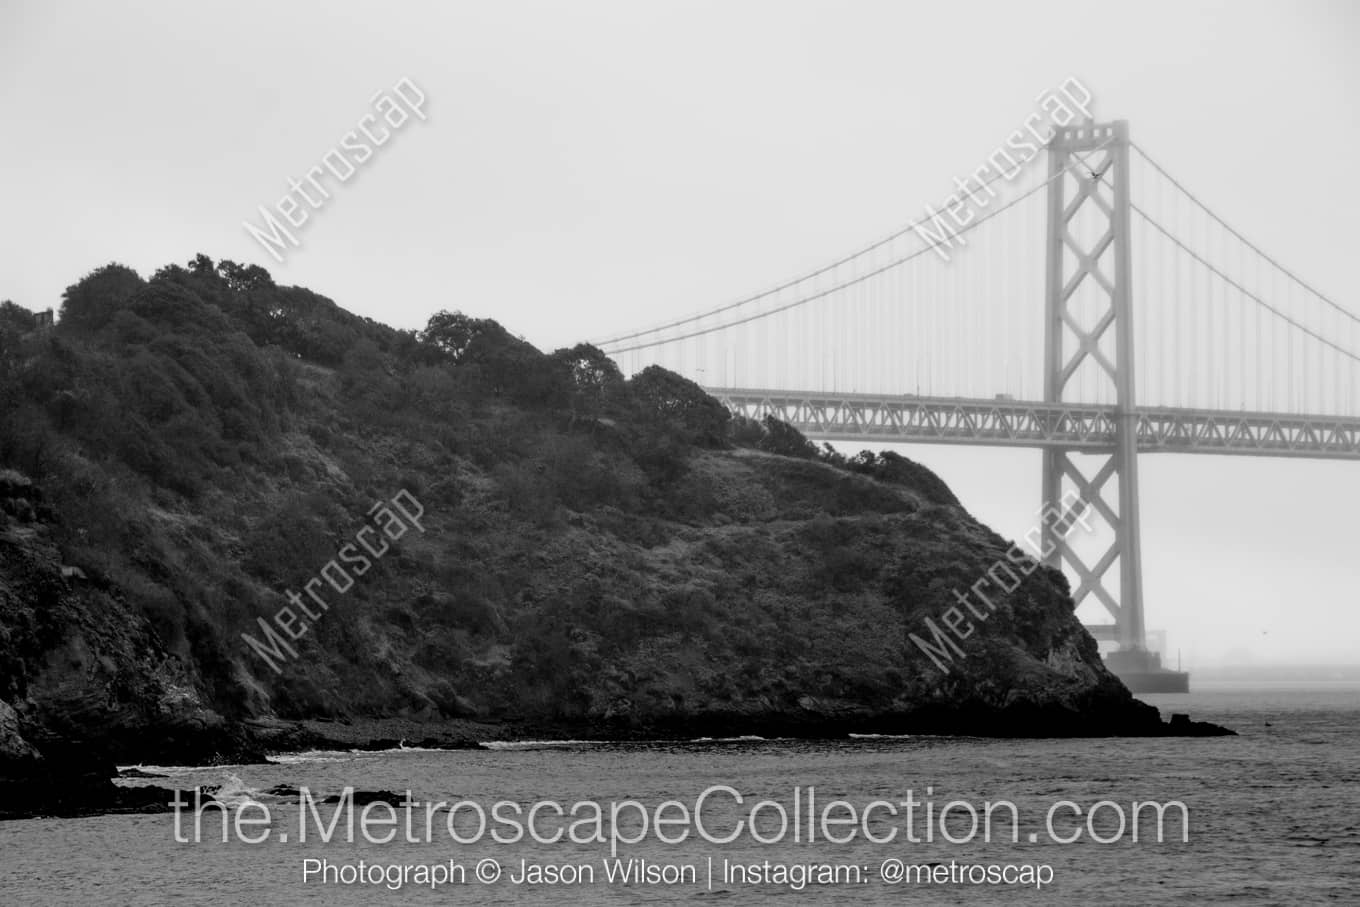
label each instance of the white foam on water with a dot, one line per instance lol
(536, 744)
(235, 793)
(171, 771)
(315, 756)
(881, 736)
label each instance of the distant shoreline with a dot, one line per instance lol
(1299, 673)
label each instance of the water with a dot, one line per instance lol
(1274, 817)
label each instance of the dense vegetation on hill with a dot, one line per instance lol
(600, 552)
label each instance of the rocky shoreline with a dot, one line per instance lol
(68, 782)
(1014, 723)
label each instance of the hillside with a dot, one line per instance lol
(593, 555)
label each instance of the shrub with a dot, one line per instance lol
(783, 439)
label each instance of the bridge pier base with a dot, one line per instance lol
(1142, 672)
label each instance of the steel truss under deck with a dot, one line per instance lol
(1080, 428)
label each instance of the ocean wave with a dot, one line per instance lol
(169, 771)
(235, 793)
(315, 756)
(882, 736)
(537, 744)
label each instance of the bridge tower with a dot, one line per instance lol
(1089, 331)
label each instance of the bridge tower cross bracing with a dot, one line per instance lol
(1096, 156)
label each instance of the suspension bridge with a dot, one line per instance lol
(1094, 309)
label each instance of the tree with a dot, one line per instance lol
(596, 382)
(460, 336)
(239, 278)
(666, 397)
(90, 304)
(492, 356)
(744, 431)
(16, 318)
(202, 265)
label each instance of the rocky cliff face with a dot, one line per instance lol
(84, 680)
(577, 553)
(82, 667)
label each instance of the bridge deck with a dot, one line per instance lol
(1071, 426)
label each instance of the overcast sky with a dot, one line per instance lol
(589, 167)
